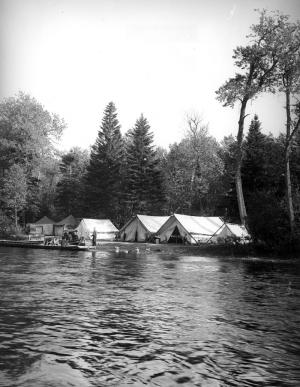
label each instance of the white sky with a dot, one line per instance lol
(161, 58)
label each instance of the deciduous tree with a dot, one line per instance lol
(14, 190)
(288, 72)
(27, 132)
(257, 63)
(192, 169)
(70, 198)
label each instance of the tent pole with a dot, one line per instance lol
(215, 232)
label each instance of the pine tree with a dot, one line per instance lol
(144, 188)
(254, 159)
(263, 172)
(104, 172)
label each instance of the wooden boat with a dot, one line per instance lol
(39, 245)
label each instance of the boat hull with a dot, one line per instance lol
(28, 244)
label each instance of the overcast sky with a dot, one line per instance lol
(164, 59)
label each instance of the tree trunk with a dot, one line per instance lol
(16, 218)
(191, 190)
(239, 158)
(289, 198)
(240, 195)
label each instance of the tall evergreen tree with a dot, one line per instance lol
(254, 157)
(104, 172)
(262, 162)
(263, 177)
(144, 180)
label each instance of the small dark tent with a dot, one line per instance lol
(44, 226)
(69, 223)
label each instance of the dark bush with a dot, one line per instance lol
(268, 221)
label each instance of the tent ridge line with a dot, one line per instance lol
(216, 232)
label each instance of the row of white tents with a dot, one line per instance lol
(176, 228)
(179, 228)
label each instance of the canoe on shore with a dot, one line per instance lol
(39, 245)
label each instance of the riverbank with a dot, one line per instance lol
(206, 250)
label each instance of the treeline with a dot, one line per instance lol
(125, 175)
(253, 178)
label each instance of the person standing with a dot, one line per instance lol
(94, 237)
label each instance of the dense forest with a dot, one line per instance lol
(253, 178)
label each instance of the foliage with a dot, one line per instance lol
(263, 162)
(192, 169)
(288, 77)
(27, 132)
(14, 190)
(268, 220)
(27, 139)
(227, 204)
(104, 172)
(70, 187)
(177, 179)
(125, 176)
(42, 190)
(257, 63)
(288, 69)
(262, 171)
(6, 225)
(144, 180)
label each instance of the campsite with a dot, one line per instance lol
(175, 229)
(142, 233)
(150, 193)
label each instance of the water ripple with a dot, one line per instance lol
(104, 319)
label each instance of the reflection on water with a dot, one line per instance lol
(113, 319)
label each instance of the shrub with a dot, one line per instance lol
(268, 221)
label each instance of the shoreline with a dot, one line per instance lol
(205, 250)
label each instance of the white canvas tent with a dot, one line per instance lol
(232, 230)
(141, 227)
(104, 228)
(43, 226)
(192, 229)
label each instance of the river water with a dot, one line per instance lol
(149, 319)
